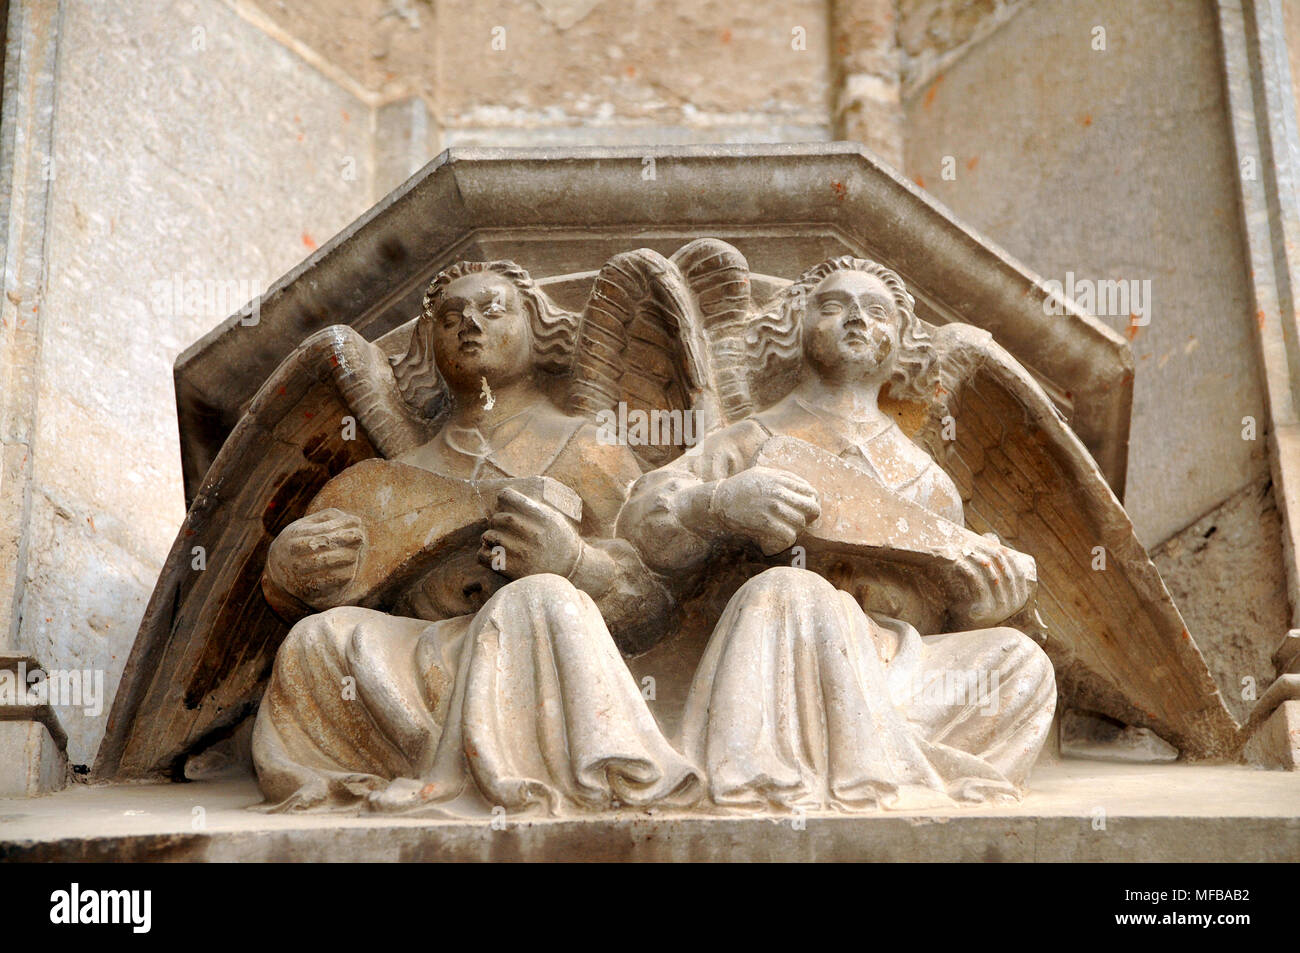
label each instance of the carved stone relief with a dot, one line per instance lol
(861, 551)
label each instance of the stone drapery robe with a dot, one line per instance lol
(807, 695)
(494, 694)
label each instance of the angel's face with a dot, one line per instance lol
(850, 328)
(481, 332)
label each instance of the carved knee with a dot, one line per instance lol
(799, 584)
(541, 587)
(554, 596)
(1023, 659)
(798, 600)
(324, 633)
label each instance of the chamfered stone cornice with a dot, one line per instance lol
(565, 210)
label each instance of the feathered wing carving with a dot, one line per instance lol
(718, 276)
(664, 336)
(1119, 645)
(208, 638)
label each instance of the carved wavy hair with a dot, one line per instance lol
(775, 338)
(554, 332)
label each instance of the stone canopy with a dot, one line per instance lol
(564, 211)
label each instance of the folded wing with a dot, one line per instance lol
(208, 638)
(662, 338)
(1119, 645)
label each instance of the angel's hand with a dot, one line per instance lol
(528, 536)
(314, 559)
(996, 585)
(770, 507)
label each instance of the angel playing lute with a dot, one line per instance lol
(457, 597)
(469, 583)
(869, 657)
(516, 695)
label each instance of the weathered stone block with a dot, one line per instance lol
(30, 762)
(1276, 743)
(1089, 737)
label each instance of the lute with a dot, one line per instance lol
(868, 522)
(414, 518)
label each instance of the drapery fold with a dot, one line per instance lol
(526, 705)
(793, 705)
(801, 701)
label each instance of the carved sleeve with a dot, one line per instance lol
(633, 600)
(667, 516)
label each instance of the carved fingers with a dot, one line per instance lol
(997, 584)
(770, 507)
(316, 558)
(527, 536)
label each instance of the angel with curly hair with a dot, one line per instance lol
(494, 682)
(816, 689)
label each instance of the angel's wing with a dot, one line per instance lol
(662, 337)
(208, 638)
(1119, 645)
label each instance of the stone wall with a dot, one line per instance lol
(218, 142)
(1108, 155)
(190, 161)
(519, 72)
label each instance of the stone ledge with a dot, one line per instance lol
(1172, 813)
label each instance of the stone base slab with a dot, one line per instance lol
(1076, 812)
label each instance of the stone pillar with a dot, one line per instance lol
(1261, 50)
(31, 741)
(865, 57)
(406, 137)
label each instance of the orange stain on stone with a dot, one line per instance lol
(840, 189)
(919, 181)
(1133, 326)
(932, 91)
(309, 241)
(1086, 120)
(972, 162)
(726, 36)
(1259, 318)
